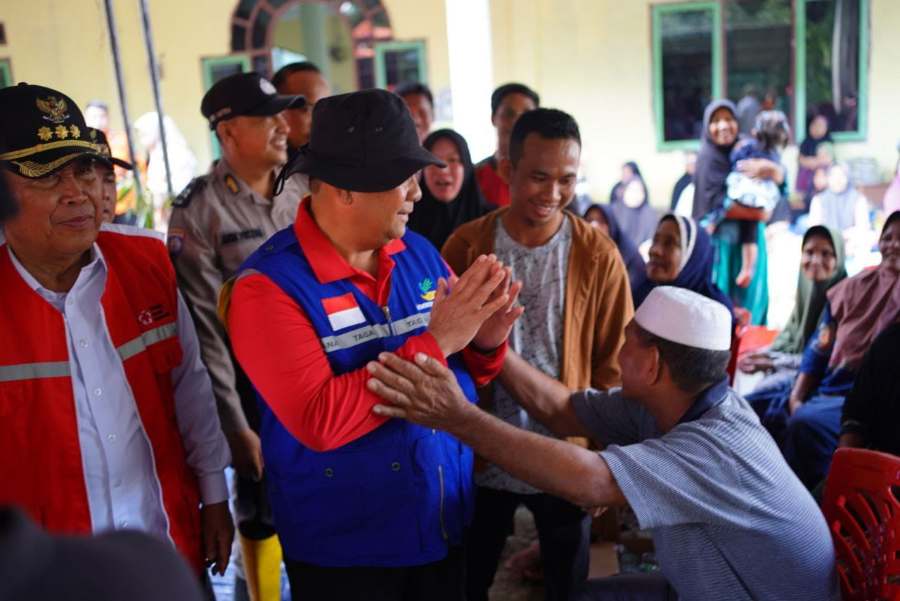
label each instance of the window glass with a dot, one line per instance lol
(759, 57)
(832, 62)
(686, 41)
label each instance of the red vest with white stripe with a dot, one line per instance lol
(40, 456)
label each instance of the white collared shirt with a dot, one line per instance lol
(119, 473)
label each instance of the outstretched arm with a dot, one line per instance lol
(545, 399)
(426, 393)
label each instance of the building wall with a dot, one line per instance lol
(65, 45)
(593, 59)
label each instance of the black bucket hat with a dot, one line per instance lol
(99, 138)
(364, 142)
(41, 131)
(248, 94)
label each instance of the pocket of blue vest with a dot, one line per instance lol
(444, 489)
(350, 507)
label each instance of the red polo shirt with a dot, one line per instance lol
(278, 347)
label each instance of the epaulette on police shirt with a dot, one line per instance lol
(184, 199)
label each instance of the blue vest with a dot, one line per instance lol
(399, 495)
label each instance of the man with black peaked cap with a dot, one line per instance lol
(106, 404)
(106, 172)
(216, 222)
(365, 508)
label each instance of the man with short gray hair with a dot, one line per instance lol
(729, 519)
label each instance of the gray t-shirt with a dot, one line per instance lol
(537, 335)
(729, 518)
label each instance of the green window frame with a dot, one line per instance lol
(208, 66)
(382, 48)
(6, 78)
(660, 11)
(862, 130)
(799, 33)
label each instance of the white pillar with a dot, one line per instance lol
(471, 73)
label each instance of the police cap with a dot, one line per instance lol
(244, 94)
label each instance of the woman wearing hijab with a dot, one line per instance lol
(630, 171)
(630, 205)
(720, 133)
(813, 151)
(450, 195)
(681, 255)
(822, 265)
(806, 419)
(840, 205)
(871, 415)
(601, 217)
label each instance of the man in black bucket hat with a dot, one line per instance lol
(365, 508)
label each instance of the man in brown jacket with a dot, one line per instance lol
(577, 303)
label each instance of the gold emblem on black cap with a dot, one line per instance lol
(44, 133)
(55, 109)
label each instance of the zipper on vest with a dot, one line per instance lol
(441, 481)
(387, 315)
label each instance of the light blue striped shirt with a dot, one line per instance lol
(729, 518)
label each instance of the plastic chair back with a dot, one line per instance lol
(862, 508)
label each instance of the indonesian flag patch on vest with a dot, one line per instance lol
(343, 311)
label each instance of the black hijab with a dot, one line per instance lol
(634, 263)
(618, 189)
(637, 223)
(713, 165)
(810, 145)
(435, 219)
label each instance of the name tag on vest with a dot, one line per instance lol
(343, 311)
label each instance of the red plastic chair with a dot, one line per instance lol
(748, 339)
(862, 508)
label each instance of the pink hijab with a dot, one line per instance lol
(863, 306)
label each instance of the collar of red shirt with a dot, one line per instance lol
(326, 261)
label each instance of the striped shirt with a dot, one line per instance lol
(729, 518)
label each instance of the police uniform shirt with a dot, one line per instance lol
(216, 223)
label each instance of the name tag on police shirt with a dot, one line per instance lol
(343, 311)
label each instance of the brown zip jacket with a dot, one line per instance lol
(598, 302)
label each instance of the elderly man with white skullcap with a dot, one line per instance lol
(728, 517)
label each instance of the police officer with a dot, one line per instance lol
(217, 221)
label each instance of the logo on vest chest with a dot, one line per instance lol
(343, 311)
(152, 314)
(427, 292)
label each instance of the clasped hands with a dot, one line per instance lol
(479, 307)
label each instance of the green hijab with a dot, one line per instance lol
(811, 297)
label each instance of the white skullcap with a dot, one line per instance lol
(685, 317)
